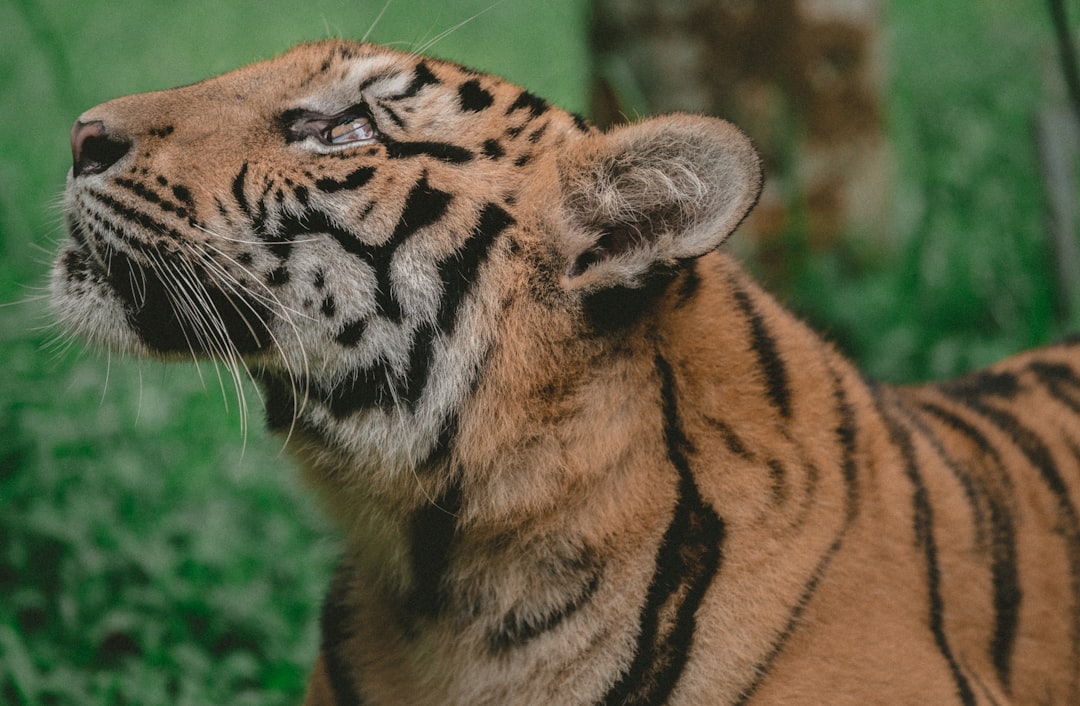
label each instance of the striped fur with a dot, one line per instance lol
(577, 455)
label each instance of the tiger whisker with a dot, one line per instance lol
(243, 241)
(285, 313)
(450, 30)
(376, 21)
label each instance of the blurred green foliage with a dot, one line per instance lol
(153, 551)
(966, 277)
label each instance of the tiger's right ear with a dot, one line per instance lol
(651, 194)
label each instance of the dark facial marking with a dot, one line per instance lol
(493, 149)
(352, 333)
(442, 151)
(353, 180)
(474, 98)
(422, 76)
(536, 105)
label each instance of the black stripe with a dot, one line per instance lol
(731, 439)
(459, 271)
(536, 105)
(416, 375)
(394, 117)
(238, 190)
(369, 387)
(687, 560)
(423, 206)
(1002, 534)
(278, 401)
(442, 151)
(440, 450)
(313, 221)
(1042, 459)
(279, 245)
(689, 284)
(577, 575)
(334, 622)
(537, 134)
(1061, 382)
(777, 480)
(278, 276)
(353, 180)
(364, 389)
(845, 435)
(183, 195)
(581, 123)
(375, 78)
(984, 383)
(152, 197)
(345, 51)
(431, 542)
(924, 537)
(764, 345)
(517, 631)
(612, 308)
(301, 194)
(144, 221)
(422, 76)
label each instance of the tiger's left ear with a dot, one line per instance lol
(651, 194)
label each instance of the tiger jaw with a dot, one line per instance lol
(168, 304)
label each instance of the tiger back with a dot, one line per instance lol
(576, 455)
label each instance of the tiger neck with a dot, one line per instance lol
(574, 466)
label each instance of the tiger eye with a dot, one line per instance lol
(355, 130)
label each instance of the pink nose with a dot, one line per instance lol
(93, 150)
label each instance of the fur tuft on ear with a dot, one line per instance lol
(651, 194)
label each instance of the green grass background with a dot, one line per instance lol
(151, 552)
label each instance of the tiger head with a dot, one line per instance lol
(373, 234)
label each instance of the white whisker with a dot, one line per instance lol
(285, 314)
(450, 30)
(243, 241)
(376, 21)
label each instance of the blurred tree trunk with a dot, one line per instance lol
(802, 77)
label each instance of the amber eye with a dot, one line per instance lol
(350, 130)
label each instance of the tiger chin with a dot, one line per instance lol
(577, 456)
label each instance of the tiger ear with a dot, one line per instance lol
(651, 194)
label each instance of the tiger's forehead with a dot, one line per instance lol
(328, 72)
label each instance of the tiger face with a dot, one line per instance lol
(331, 219)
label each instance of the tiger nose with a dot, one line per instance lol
(93, 149)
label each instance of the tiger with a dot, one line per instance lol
(575, 454)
